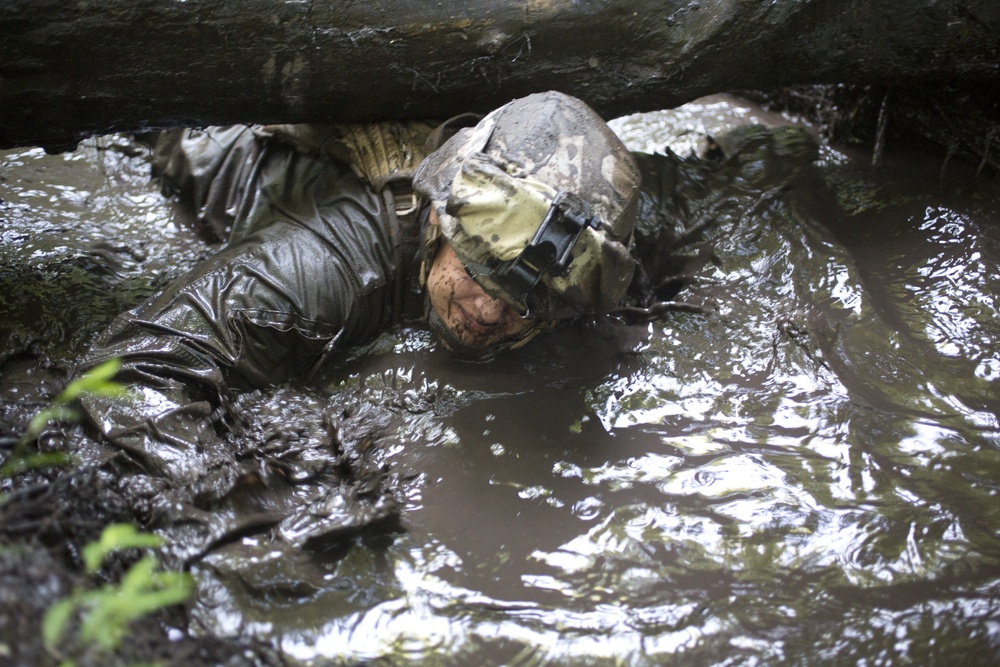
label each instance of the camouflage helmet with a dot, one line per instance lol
(539, 202)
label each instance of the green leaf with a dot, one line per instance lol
(117, 536)
(143, 590)
(18, 464)
(105, 624)
(139, 575)
(105, 613)
(54, 413)
(56, 618)
(97, 380)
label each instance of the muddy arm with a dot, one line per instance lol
(269, 308)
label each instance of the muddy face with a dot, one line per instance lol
(466, 316)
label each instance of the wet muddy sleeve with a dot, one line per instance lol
(313, 276)
(211, 172)
(264, 311)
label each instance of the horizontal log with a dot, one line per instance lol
(73, 68)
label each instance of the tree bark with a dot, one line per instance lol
(73, 68)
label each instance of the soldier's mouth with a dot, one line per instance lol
(473, 324)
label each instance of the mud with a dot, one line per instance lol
(803, 469)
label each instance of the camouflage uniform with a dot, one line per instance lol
(324, 253)
(316, 260)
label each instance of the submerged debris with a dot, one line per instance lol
(958, 121)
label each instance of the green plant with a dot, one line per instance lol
(106, 612)
(98, 380)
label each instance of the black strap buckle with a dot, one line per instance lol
(549, 250)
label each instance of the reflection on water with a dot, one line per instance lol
(83, 236)
(806, 473)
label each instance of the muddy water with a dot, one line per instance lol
(805, 473)
(83, 236)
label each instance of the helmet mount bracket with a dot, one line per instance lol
(549, 251)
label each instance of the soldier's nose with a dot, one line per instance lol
(490, 310)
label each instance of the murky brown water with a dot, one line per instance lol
(807, 473)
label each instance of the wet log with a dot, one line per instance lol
(72, 68)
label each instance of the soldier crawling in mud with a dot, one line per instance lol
(510, 226)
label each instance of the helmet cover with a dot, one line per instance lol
(539, 180)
